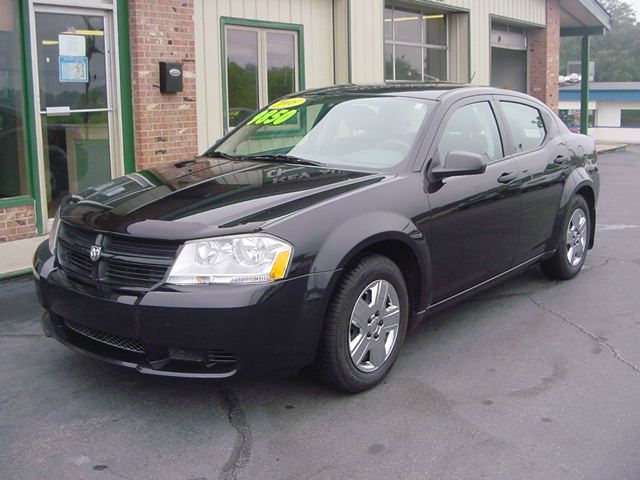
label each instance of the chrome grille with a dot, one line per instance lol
(106, 338)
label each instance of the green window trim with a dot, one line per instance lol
(244, 22)
(16, 201)
(29, 122)
(126, 105)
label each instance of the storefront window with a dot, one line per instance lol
(242, 74)
(73, 58)
(14, 175)
(415, 45)
(630, 118)
(571, 118)
(261, 67)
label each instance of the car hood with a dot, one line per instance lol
(207, 197)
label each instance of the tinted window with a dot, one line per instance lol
(527, 127)
(472, 128)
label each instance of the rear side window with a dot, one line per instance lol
(526, 124)
(472, 128)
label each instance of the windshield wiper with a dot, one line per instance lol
(270, 157)
(217, 153)
(285, 159)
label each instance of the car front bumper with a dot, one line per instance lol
(191, 331)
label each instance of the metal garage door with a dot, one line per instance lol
(509, 57)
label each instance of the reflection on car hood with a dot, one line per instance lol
(207, 197)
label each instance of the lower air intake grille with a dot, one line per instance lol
(106, 338)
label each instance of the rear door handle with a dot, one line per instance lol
(507, 177)
(561, 159)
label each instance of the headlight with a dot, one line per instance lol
(237, 259)
(53, 235)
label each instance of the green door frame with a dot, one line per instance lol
(126, 95)
(29, 109)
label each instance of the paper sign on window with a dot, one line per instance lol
(72, 46)
(73, 69)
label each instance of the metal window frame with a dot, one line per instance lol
(112, 65)
(423, 45)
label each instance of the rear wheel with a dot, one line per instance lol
(365, 325)
(572, 253)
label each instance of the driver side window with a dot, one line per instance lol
(472, 128)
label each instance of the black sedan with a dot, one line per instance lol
(319, 232)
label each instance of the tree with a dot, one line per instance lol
(615, 53)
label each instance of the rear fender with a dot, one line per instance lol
(577, 179)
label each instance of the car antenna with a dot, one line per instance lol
(472, 76)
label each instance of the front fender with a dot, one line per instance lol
(368, 229)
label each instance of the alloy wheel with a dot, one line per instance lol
(374, 326)
(576, 238)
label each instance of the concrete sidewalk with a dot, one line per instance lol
(15, 257)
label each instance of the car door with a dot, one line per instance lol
(473, 221)
(543, 159)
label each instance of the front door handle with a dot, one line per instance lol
(507, 177)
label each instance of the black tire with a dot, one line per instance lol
(558, 266)
(334, 363)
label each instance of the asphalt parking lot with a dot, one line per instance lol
(529, 380)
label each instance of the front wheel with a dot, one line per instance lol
(572, 252)
(365, 325)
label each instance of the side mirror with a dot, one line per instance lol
(459, 163)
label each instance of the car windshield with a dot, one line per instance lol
(353, 132)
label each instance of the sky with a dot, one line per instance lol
(636, 4)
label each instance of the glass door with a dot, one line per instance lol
(75, 101)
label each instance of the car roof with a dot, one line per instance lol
(429, 91)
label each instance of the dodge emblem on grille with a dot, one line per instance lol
(94, 253)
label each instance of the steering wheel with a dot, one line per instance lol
(394, 144)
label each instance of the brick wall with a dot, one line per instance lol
(165, 124)
(17, 223)
(544, 58)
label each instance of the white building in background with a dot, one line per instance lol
(614, 110)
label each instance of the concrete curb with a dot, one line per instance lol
(15, 274)
(611, 148)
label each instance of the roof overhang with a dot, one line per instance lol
(583, 17)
